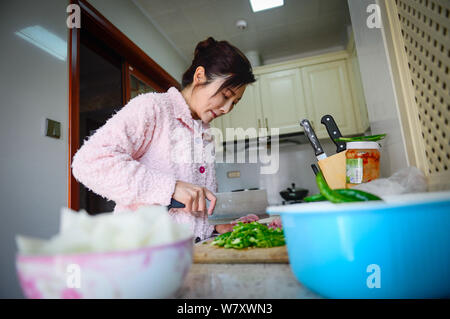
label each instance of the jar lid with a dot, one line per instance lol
(363, 145)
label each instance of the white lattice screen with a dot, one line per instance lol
(425, 27)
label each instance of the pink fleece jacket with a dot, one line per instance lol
(138, 155)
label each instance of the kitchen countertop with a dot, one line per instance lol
(252, 281)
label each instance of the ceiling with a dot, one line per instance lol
(298, 27)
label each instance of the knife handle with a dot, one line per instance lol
(309, 131)
(175, 204)
(333, 132)
(315, 169)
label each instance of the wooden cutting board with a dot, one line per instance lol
(207, 254)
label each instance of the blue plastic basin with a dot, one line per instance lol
(399, 248)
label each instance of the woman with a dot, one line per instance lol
(138, 157)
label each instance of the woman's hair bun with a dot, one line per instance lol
(219, 59)
(205, 45)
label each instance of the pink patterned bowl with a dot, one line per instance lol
(148, 272)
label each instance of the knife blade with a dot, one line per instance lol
(233, 205)
(312, 137)
(333, 132)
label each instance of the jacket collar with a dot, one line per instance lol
(180, 108)
(183, 113)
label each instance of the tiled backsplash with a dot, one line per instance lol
(249, 176)
(294, 167)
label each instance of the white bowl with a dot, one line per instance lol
(148, 272)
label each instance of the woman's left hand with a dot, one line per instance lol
(224, 228)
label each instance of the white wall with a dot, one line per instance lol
(33, 86)
(294, 167)
(127, 17)
(33, 168)
(378, 88)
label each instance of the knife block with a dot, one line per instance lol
(334, 170)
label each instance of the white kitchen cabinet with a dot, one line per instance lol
(283, 103)
(328, 91)
(287, 92)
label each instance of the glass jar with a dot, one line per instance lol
(362, 162)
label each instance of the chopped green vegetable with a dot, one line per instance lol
(251, 234)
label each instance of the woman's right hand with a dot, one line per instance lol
(194, 197)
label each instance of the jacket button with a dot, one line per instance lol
(201, 169)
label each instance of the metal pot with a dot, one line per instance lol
(292, 193)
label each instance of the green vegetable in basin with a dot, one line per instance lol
(315, 198)
(371, 138)
(340, 196)
(251, 234)
(359, 196)
(330, 194)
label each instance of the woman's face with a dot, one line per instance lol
(206, 106)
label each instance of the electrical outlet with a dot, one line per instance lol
(52, 128)
(234, 174)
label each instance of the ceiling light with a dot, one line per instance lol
(45, 40)
(259, 5)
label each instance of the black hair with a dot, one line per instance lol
(220, 59)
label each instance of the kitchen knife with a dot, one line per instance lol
(315, 169)
(312, 137)
(333, 132)
(233, 205)
(175, 204)
(333, 167)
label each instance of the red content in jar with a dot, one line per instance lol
(370, 163)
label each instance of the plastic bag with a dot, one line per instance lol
(405, 181)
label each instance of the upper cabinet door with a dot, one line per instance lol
(283, 101)
(246, 114)
(327, 91)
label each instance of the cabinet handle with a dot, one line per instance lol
(267, 123)
(259, 124)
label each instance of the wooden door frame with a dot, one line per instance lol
(128, 71)
(102, 28)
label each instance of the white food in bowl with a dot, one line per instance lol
(141, 254)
